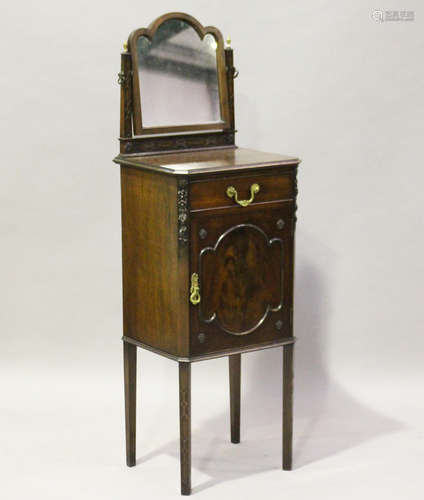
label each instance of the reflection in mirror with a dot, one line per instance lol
(178, 76)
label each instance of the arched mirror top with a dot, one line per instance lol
(179, 77)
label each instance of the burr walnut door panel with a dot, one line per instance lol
(243, 258)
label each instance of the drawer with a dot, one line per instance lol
(214, 193)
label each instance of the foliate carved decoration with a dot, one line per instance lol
(183, 212)
(211, 141)
(197, 141)
(124, 78)
(121, 78)
(230, 138)
(186, 143)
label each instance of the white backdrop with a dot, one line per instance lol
(322, 80)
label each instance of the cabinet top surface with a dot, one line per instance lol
(198, 162)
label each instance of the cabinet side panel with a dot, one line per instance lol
(155, 273)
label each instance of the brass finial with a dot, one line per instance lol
(125, 46)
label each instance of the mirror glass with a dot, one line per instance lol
(178, 76)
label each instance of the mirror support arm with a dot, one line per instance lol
(125, 80)
(230, 83)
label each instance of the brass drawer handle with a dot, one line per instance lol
(232, 193)
(194, 289)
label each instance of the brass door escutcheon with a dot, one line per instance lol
(194, 289)
(232, 193)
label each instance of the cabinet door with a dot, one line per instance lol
(244, 262)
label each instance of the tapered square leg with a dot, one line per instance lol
(287, 405)
(185, 427)
(235, 379)
(130, 381)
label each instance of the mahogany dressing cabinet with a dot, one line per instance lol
(207, 227)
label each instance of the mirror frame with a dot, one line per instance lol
(221, 72)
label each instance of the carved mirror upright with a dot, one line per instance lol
(207, 227)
